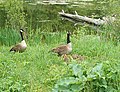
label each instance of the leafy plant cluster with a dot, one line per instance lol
(110, 8)
(103, 77)
(10, 80)
(15, 14)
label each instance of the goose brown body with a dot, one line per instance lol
(63, 49)
(20, 47)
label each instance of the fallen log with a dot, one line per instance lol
(77, 18)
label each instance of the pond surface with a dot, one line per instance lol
(45, 15)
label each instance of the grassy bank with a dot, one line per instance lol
(36, 70)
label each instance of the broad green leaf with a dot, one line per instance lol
(97, 68)
(95, 72)
(77, 87)
(67, 81)
(77, 70)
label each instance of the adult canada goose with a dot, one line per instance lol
(64, 49)
(20, 47)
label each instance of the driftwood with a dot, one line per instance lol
(58, 2)
(77, 18)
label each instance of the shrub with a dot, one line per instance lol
(15, 15)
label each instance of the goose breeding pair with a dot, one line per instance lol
(60, 50)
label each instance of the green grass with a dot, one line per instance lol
(36, 70)
(9, 37)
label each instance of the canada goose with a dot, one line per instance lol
(64, 49)
(20, 47)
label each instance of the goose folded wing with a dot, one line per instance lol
(16, 48)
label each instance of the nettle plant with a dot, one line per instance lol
(101, 78)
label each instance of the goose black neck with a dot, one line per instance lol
(68, 38)
(21, 35)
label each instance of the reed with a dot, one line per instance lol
(9, 37)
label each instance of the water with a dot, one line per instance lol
(45, 16)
